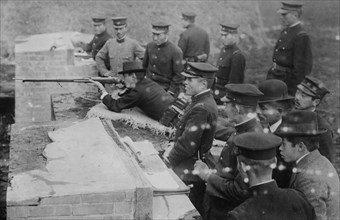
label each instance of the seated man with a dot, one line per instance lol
(141, 92)
(313, 174)
(256, 159)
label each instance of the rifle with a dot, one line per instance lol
(103, 80)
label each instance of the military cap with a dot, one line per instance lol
(119, 22)
(273, 90)
(243, 94)
(289, 6)
(132, 66)
(229, 28)
(196, 69)
(98, 19)
(257, 145)
(160, 27)
(299, 123)
(313, 87)
(188, 15)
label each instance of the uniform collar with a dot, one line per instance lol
(121, 40)
(190, 25)
(295, 24)
(102, 34)
(274, 126)
(263, 188)
(163, 44)
(229, 47)
(200, 95)
(246, 125)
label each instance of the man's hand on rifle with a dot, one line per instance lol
(99, 85)
(202, 170)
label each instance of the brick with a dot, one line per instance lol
(39, 211)
(93, 217)
(61, 200)
(123, 207)
(43, 218)
(70, 218)
(63, 210)
(103, 197)
(92, 209)
(117, 217)
(17, 211)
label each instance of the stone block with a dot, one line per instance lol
(61, 200)
(17, 211)
(123, 207)
(39, 211)
(104, 197)
(92, 209)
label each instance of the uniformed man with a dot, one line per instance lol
(163, 60)
(313, 174)
(118, 50)
(194, 41)
(231, 62)
(225, 188)
(195, 129)
(256, 159)
(100, 36)
(142, 92)
(308, 96)
(275, 103)
(292, 57)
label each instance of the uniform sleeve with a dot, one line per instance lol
(227, 188)
(139, 51)
(88, 47)
(303, 61)
(316, 193)
(182, 43)
(238, 64)
(146, 58)
(128, 100)
(188, 143)
(176, 85)
(101, 56)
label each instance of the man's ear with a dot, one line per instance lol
(316, 102)
(301, 146)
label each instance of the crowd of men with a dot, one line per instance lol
(277, 159)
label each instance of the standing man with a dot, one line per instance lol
(195, 129)
(118, 50)
(163, 60)
(256, 159)
(313, 174)
(194, 41)
(308, 96)
(292, 57)
(231, 62)
(226, 188)
(141, 92)
(100, 37)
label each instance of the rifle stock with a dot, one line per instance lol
(103, 80)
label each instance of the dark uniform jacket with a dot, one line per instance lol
(164, 65)
(292, 51)
(97, 43)
(147, 95)
(326, 146)
(231, 64)
(268, 202)
(225, 189)
(194, 135)
(194, 41)
(117, 52)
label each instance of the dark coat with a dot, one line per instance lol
(293, 51)
(231, 64)
(225, 189)
(268, 202)
(194, 41)
(164, 65)
(326, 146)
(318, 180)
(97, 43)
(147, 95)
(194, 135)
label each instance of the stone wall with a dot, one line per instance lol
(45, 56)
